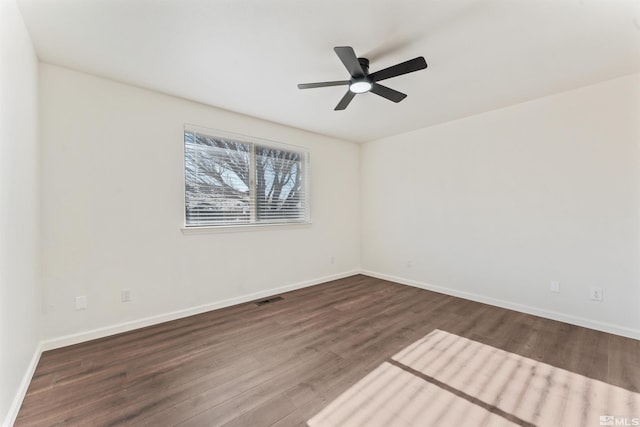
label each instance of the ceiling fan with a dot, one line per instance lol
(361, 81)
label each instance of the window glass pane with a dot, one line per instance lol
(217, 174)
(279, 184)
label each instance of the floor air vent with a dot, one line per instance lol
(268, 301)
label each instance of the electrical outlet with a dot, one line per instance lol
(409, 263)
(596, 293)
(125, 295)
(333, 259)
(81, 302)
(554, 286)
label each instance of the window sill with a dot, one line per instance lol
(242, 228)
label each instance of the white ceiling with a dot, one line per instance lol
(248, 55)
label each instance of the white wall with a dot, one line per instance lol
(495, 206)
(113, 207)
(20, 300)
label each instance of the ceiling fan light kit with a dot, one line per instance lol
(360, 86)
(361, 81)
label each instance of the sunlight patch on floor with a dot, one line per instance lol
(447, 380)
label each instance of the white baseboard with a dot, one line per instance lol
(66, 340)
(11, 416)
(536, 311)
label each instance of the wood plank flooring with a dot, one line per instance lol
(281, 363)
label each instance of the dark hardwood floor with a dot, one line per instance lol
(281, 363)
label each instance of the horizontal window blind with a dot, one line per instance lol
(280, 194)
(231, 180)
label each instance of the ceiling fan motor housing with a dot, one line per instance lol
(364, 63)
(361, 84)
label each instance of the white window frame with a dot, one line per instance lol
(253, 223)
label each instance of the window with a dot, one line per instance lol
(239, 180)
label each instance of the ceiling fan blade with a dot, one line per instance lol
(350, 61)
(323, 84)
(386, 92)
(409, 66)
(346, 99)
